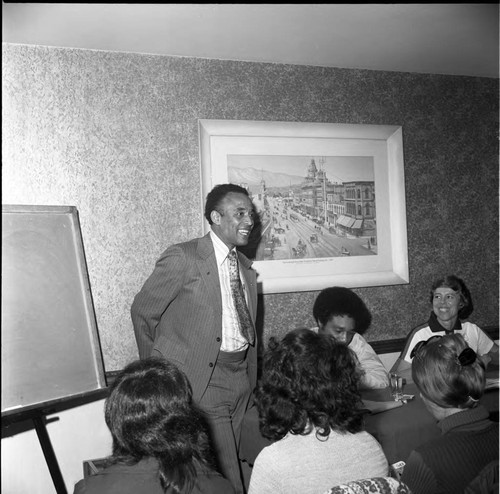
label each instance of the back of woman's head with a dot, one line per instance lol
(150, 414)
(308, 380)
(458, 285)
(448, 373)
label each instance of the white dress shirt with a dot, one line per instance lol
(232, 340)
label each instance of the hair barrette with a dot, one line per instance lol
(467, 357)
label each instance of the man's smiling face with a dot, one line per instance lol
(234, 219)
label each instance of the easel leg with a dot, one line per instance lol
(50, 457)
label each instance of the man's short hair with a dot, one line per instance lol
(217, 195)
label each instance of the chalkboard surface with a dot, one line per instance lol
(50, 345)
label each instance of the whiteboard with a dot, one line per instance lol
(50, 344)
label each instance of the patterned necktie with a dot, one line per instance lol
(246, 325)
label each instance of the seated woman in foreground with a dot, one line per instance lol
(451, 301)
(451, 381)
(159, 441)
(339, 312)
(308, 402)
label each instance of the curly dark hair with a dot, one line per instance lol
(340, 301)
(150, 414)
(458, 285)
(308, 380)
(217, 195)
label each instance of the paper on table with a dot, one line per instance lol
(380, 406)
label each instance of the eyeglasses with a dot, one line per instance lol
(422, 343)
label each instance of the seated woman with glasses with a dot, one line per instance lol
(160, 443)
(309, 404)
(451, 381)
(451, 303)
(339, 312)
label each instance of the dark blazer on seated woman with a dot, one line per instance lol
(142, 478)
(450, 378)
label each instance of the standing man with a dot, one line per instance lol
(194, 311)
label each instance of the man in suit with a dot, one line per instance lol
(186, 312)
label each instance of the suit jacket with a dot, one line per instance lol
(142, 478)
(178, 312)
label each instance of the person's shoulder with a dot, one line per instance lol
(470, 326)
(190, 246)
(272, 449)
(420, 327)
(81, 487)
(364, 441)
(140, 478)
(365, 436)
(358, 339)
(420, 332)
(212, 482)
(115, 483)
(194, 242)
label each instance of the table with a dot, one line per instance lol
(399, 430)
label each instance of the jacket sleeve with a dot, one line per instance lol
(375, 373)
(158, 292)
(418, 476)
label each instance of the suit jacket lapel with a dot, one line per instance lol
(209, 272)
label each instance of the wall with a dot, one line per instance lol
(115, 134)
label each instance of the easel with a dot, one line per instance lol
(48, 452)
(44, 272)
(38, 416)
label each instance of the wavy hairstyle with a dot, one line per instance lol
(340, 301)
(150, 414)
(458, 285)
(448, 373)
(308, 380)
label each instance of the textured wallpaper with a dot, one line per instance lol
(116, 135)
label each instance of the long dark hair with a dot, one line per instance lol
(150, 414)
(308, 380)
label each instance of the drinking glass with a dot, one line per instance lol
(396, 382)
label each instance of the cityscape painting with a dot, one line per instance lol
(310, 207)
(329, 200)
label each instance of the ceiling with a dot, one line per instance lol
(454, 39)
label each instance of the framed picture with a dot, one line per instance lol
(330, 199)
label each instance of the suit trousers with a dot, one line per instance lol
(225, 402)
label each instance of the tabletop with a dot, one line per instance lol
(398, 430)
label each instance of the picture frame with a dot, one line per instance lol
(330, 199)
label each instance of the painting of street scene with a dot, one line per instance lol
(309, 206)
